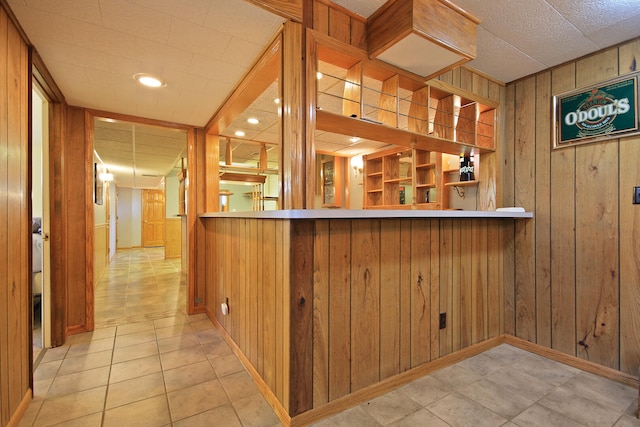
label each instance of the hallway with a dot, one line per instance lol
(149, 364)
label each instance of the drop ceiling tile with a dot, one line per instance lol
(507, 65)
(42, 26)
(87, 10)
(73, 55)
(162, 56)
(198, 39)
(242, 19)
(140, 21)
(617, 33)
(193, 11)
(103, 40)
(363, 8)
(596, 15)
(217, 71)
(238, 50)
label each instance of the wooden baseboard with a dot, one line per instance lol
(574, 361)
(271, 398)
(21, 409)
(75, 329)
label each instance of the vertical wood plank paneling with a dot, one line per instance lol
(446, 284)
(563, 244)
(525, 196)
(494, 278)
(339, 25)
(286, 314)
(456, 278)
(278, 304)
(543, 209)
(5, 242)
(301, 321)
(465, 293)
(269, 301)
(260, 294)
(434, 291)
(340, 307)
(630, 262)
(479, 290)
(597, 283)
(243, 285)
(365, 303)
(420, 293)
(629, 230)
(358, 33)
(405, 295)
(390, 288)
(508, 198)
(321, 269)
(252, 260)
(466, 79)
(321, 17)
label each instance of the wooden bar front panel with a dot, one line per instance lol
(324, 308)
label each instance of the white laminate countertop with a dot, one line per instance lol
(366, 213)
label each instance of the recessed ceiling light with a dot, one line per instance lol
(318, 75)
(149, 80)
(277, 100)
(354, 139)
(253, 120)
(239, 133)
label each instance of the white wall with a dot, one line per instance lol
(36, 160)
(129, 217)
(172, 186)
(112, 220)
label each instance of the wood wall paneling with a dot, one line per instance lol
(390, 298)
(543, 209)
(420, 292)
(525, 188)
(562, 222)
(173, 235)
(15, 227)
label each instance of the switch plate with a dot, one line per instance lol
(636, 195)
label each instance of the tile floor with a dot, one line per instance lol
(149, 364)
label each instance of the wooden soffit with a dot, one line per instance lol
(426, 37)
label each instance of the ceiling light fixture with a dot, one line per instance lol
(354, 139)
(148, 80)
(253, 120)
(239, 133)
(318, 75)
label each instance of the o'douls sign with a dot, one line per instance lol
(609, 110)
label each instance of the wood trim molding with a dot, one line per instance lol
(89, 226)
(574, 361)
(21, 409)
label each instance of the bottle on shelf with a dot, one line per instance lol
(466, 168)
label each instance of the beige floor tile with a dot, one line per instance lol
(134, 390)
(227, 365)
(609, 393)
(71, 406)
(426, 390)
(421, 417)
(31, 413)
(134, 368)
(254, 411)
(182, 357)
(152, 412)
(354, 417)
(170, 321)
(94, 346)
(196, 399)
(135, 338)
(547, 370)
(209, 335)
(189, 375)
(498, 399)
(47, 370)
(222, 416)
(174, 330)
(579, 408)
(514, 380)
(627, 421)
(457, 376)
(483, 365)
(538, 415)
(41, 387)
(93, 420)
(56, 353)
(216, 349)
(177, 343)
(457, 410)
(390, 407)
(239, 386)
(138, 351)
(507, 353)
(72, 383)
(201, 325)
(132, 328)
(86, 362)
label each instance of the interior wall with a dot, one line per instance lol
(576, 274)
(15, 221)
(129, 218)
(36, 158)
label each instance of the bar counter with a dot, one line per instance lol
(327, 308)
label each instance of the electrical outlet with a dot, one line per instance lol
(443, 320)
(636, 195)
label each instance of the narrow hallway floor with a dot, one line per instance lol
(149, 364)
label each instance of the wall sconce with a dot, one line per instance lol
(106, 177)
(357, 164)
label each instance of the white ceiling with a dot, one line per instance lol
(202, 48)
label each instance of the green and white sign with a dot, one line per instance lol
(597, 113)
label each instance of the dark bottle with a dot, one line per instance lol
(466, 169)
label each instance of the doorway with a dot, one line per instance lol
(40, 224)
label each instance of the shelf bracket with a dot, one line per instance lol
(460, 191)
